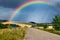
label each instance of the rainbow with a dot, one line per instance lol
(20, 7)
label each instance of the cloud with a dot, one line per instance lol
(15, 3)
(11, 3)
(56, 2)
(5, 13)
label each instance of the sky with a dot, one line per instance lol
(38, 13)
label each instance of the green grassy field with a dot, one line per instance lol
(51, 31)
(12, 34)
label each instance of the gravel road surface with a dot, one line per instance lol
(35, 34)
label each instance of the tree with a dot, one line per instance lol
(3, 20)
(56, 22)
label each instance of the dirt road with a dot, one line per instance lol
(35, 34)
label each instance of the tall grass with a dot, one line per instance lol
(12, 34)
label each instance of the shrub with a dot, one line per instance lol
(1, 25)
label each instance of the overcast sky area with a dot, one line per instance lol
(36, 13)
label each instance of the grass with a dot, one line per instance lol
(12, 33)
(51, 31)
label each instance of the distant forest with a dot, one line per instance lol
(3, 20)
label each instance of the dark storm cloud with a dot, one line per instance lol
(58, 4)
(11, 3)
(15, 3)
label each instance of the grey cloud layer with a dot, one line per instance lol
(11, 3)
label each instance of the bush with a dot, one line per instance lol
(2, 25)
(45, 26)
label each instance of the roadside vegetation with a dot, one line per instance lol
(11, 32)
(50, 30)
